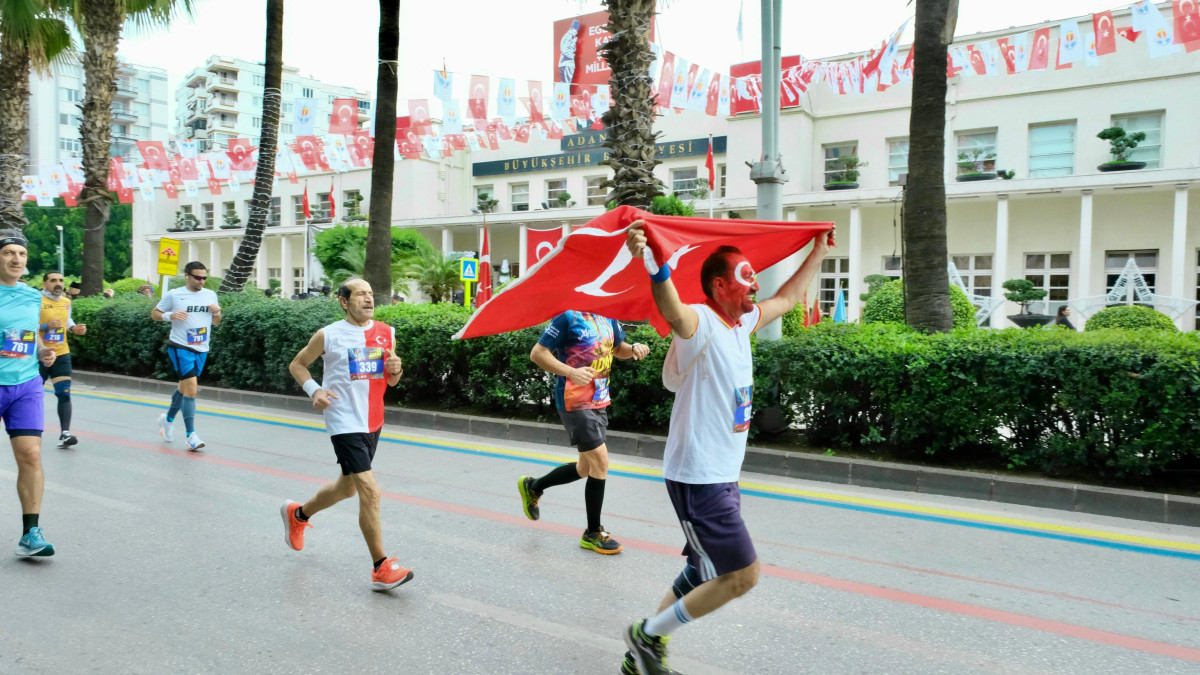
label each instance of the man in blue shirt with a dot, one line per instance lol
(21, 405)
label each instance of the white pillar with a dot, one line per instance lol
(1178, 252)
(214, 257)
(447, 241)
(855, 251)
(522, 245)
(192, 253)
(1083, 279)
(285, 267)
(1000, 261)
(260, 266)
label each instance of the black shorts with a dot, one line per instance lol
(711, 516)
(61, 368)
(355, 451)
(587, 428)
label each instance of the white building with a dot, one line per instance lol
(139, 113)
(223, 99)
(1059, 222)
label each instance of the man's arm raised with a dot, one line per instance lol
(792, 290)
(682, 318)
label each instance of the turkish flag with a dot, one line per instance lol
(309, 150)
(409, 144)
(553, 131)
(362, 150)
(304, 203)
(154, 154)
(171, 191)
(535, 101)
(292, 178)
(872, 64)
(241, 154)
(125, 195)
(503, 132)
(593, 271)
(483, 291)
(214, 187)
(457, 141)
(493, 139)
(69, 199)
(581, 106)
(176, 179)
(332, 207)
(692, 74)
(1106, 34)
(977, 61)
(1187, 22)
(477, 100)
(813, 315)
(115, 171)
(666, 80)
(418, 114)
(708, 162)
(1039, 54)
(714, 95)
(344, 119)
(522, 135)
(1129, 33)
(187, 169)
(539, 243)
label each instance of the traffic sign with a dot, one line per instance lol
(468, 269)
(168, 257)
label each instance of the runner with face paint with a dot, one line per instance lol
(707, 438)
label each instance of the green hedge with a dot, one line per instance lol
(1131, 317)
(886, 305)
(1111, 403)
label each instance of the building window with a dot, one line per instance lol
(518, 196)
(683, 181)
(285, 128)
(976, 152)
(286, 109)
(835, 276)
(306, 92)
(256, 122)
(321, 208)
(298, 209)
(597, 194)
(141, 132)
(976, 274)
(364, 106)
(835, 157)
(143, 84)
(1115, 261)
(1149, 150)
(141, 108)
(206, 211)
(273, 272)
(186, 209)
(259, 80)
(1050, 272)
(70, 95)
(720, 180)
(70, 145)
(892, 266)
(257, 102)
(287, 87)
(298, 281)
(897, 160)
(352, 202)
(273, 219)
(64, 120)
(554, 188)
(1052, 150)
(484, 189)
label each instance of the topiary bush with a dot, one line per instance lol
(886, 305)
(1131, 317)
(128, 286)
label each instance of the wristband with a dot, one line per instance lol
(662, 275)
(311, 387)
(167, 318)
(657, 274)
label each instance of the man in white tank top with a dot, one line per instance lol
(359, 357)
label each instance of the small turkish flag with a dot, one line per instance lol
(418, 114)
(125, 195)
(522, 135)
(154, 154)
(581, 106)
(171, 191)
(714, 95)
(457, 141)
(1129, 33)
(1106, 34)
(708, 162)
(477, 101)
(484, 289)
(666, 80)
(344, 119)
(493, 139)
(214, 187)
(332, 208)
(241, 154)
(69, 199)
(1187, 22)
(115, 171)
(503, 131)
(187, 169)
(1039, 54)
(535, 101)
(304, 203)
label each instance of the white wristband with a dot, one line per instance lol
(167, 318)
(311, 387)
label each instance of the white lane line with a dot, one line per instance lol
(581, 637)
(96, 499)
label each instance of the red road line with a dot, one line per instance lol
(929, 602)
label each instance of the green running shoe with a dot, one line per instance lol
(529, 498)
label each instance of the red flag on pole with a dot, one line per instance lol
(483, 292)
(307, 213)
(712, 174)
(332, 209)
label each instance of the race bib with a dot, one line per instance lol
(366, 363)
(742, 408)
(197, 336)
(18, 344)
(601, 394)
(55, 335)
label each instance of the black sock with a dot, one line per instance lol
(593, 499)
(28, 521)
(379, 562)
(561, 475)
(64, 413)
(300, 514)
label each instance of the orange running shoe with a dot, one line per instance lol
(293, 528)
(389, 575)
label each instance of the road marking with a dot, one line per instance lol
(83, 495)
(1020, 526)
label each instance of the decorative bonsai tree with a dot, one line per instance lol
(485, 204)
(231, 221)
(1006, 175)
(974, 162)
(846, 170)
(353, 209)
(184, 222)
(701, 190)
(1023, 292)
(1120, 143)
(564, 200)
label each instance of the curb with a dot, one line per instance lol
(1153, 507)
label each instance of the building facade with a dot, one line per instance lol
(223, 99)
(139, 113)
(1060, 222)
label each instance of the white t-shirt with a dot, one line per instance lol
(710, 419)
(354, 360)
(195, 332)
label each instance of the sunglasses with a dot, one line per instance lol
(198, 278)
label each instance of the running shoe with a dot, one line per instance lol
(166, 429)
(629, 666)
(649, 651)
(66, 439)
(293, 527)
(32, 545)
(529, 498)
(389, 575)
(600, 542)
(194, 443)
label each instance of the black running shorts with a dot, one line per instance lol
(60, 368)
(587, 428)
(355, 451)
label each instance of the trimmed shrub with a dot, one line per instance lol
(886, 305)
(128, 286)
(1131, 317)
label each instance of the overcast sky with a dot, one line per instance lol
(336, 42)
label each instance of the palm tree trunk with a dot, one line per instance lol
(264, 175)
(926, 281)
(14, 128)
(104, 20)
(630, 119)
(378, 266)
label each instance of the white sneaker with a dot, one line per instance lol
(66, 440)
(165, 429)
(193, 442)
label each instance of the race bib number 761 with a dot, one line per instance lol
(18, 344)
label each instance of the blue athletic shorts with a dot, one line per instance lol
(186, 362)
(711, 516)
(22, 409)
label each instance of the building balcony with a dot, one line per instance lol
(195, 79)
(124, 115)
(222, 84)
(219, 63)
(223, 105)
(125, 91)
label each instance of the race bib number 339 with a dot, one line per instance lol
(366, 363)
(18, 344)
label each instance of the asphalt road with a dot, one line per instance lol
(175, 562)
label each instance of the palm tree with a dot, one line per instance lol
(435, 274)
(630, 119)
(354, 261)
(100, 22)
(927, 283)
(383, 163)
(264, 175)
(32, 35)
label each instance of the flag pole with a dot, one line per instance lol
(712, 189)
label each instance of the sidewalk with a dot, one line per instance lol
(1148, 506)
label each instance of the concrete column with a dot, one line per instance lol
(260, 266)
(447, 241)
(522, 246)
(214, 257)
(285, 267)
(1083, 278)
(192, 253)
(1000, 260)
(855, 253)
(1179, 254)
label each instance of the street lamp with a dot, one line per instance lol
(60, 249)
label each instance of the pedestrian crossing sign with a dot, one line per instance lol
(468, 269)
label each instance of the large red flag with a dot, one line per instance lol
(539, 243)
(484, 289)
(304, 203)
(593, 271)
(1106, 33)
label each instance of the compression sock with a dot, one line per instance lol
(379, 562)
(560, 475)
(28, 522)
(189, 415)
(667, 620)
(62, 391)
(687, 581)
(176, 402)
(593, 499)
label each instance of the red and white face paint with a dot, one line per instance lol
(736, 295)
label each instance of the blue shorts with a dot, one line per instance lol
(186, 362)
(711, 516)
(21, 408)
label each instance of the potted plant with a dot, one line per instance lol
(563, 200)
(845, 174)
(353, 213)
(1023, 292)
(973, 166)
(232, 222)
(184, 222)
(1120, 143)
(485, 204)
(1006, 175)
